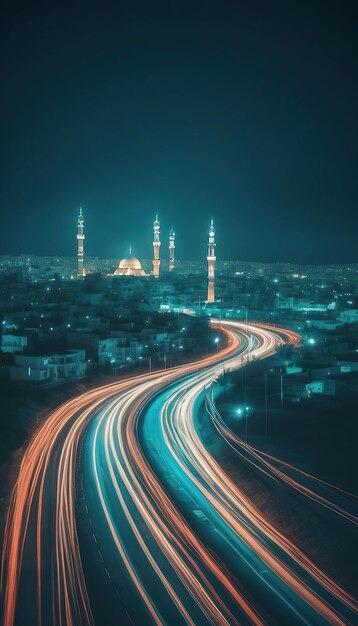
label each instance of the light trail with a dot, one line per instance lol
(182, 443)
(267, 464)
(232, 505)
(175, 576)
(52, 501)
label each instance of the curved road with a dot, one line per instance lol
(116, 489)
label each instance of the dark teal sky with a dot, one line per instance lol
(244, 111)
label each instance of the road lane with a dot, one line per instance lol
(153, 502)
(41, 574)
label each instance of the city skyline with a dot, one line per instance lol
(179, 314)
(259, 132)
(168, 234)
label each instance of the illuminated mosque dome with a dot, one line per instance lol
(130, 266)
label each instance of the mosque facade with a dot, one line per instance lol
(131, 266)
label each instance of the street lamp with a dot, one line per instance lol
(217, 343)
(266, 407)
(247, 424)
(243, 411)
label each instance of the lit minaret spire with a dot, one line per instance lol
(171, 249)
(211, 263)
(80, 248)
(156, 246)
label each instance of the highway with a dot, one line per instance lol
(322, 493)
(117, 493)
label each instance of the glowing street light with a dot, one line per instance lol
(244, 411)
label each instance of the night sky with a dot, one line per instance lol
(243, 111)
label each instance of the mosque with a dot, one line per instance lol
(131, 266)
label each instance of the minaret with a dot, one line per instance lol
(156, 246)
(171, 249)
(80, 240)
(211, 263)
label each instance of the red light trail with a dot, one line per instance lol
(41, 526)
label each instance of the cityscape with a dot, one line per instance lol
(178, 422)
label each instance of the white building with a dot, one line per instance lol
(46, 368)
(13, 343)
(322, 387)
(350, 316)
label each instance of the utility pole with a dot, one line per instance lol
(266, 407)
(246, 425)
(281, 390)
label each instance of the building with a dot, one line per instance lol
(156, 247)
(47, 368)
(171, 249)
(80, 245)
(129, 266)
(211, 258)
(349, 316)
(13, 343)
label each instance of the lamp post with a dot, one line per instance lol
(266, 407)
(247, 424)
(245, 411)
